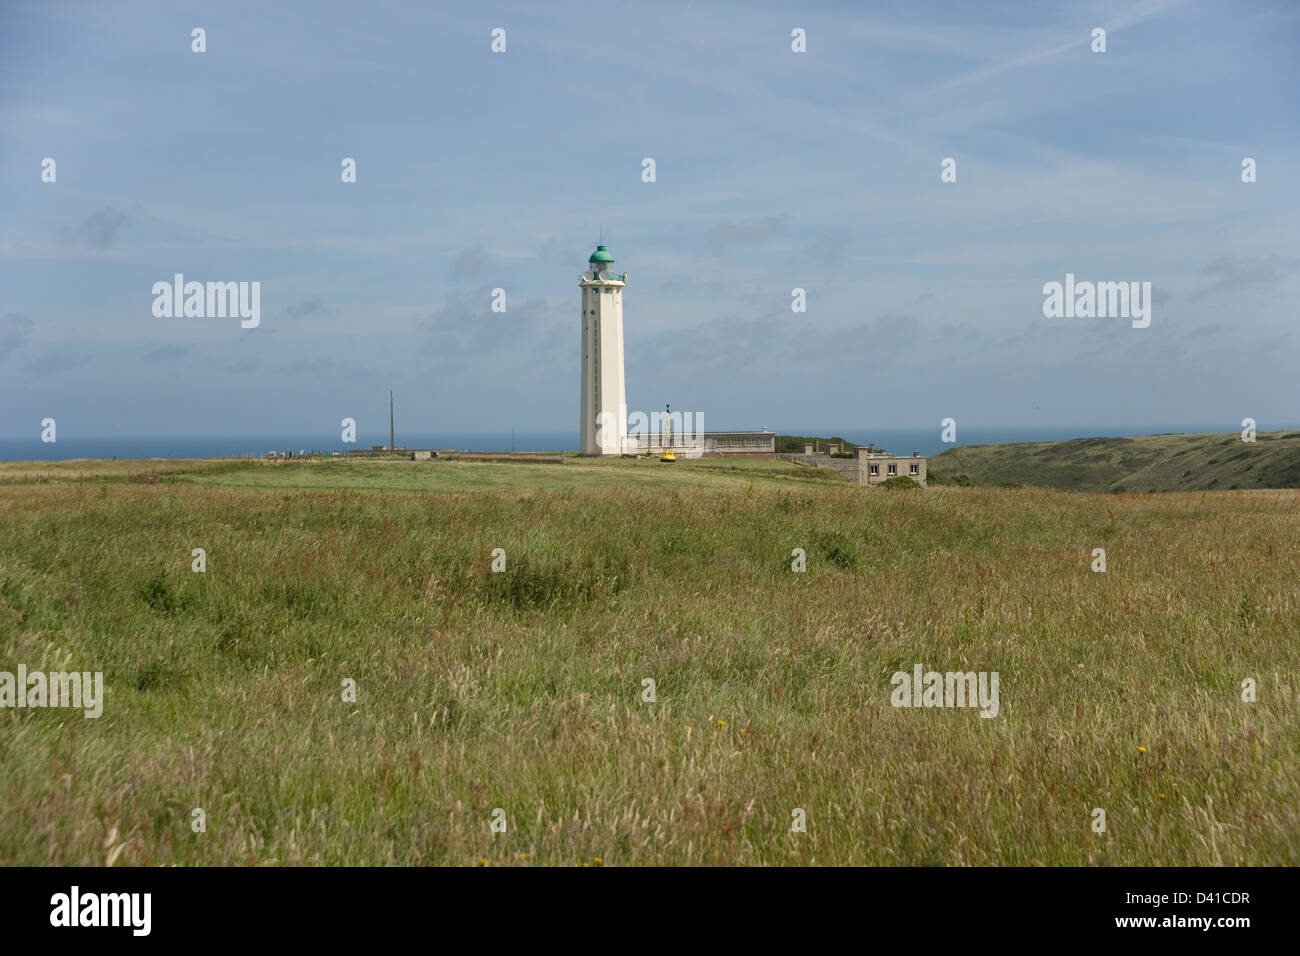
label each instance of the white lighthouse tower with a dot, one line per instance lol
(602, 424)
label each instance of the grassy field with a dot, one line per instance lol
(399, 475)
(86, 469)
(1144, 463)
(575, 475)
(523, 690)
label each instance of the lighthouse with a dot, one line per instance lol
(602, 422)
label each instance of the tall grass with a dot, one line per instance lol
(523, 690)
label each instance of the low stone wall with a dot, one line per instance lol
(848, 467)
(513, 458)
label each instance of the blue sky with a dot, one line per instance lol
(774, 170)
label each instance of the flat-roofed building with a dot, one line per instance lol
(876, 466)
(761, 444)
(869, 466)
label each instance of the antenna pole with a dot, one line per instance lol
(392, 426)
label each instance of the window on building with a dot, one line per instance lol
(875, 469)
(916, 469)
(893, 469)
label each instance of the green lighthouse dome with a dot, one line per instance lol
(601, 255)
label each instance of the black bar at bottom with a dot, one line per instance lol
(339, 905)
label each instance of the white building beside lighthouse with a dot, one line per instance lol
(602, 422)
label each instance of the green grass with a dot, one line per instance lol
(403, 475)
(87, 469)
(471, 476)
(523, 690)
(1144, 463)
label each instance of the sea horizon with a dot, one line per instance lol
(925, 440)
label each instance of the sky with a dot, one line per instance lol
(774, 170)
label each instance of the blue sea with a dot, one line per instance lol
(904, 441)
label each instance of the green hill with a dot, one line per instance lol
(1144, 463)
